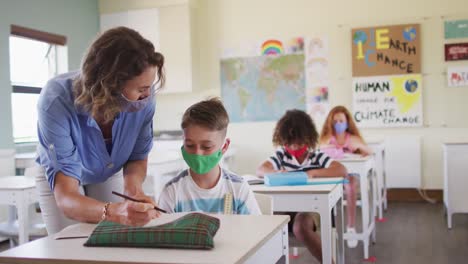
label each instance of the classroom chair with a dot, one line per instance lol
(18, 192)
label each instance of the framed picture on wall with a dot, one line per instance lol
(456, 51)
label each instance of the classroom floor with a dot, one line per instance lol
(413, 233)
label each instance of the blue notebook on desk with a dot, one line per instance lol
(295, 178)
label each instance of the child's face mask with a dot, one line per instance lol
(340, 127)
(296, 152)
(201, 164)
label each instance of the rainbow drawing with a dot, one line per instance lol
(272, 47)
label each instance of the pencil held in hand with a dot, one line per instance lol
(136, 200)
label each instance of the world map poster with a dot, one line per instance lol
(261, 80)
(262, 88)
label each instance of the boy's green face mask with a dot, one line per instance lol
(201, 164)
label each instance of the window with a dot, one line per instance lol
(35, 57)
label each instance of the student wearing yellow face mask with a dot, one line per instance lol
(206, 186)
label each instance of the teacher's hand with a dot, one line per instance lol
(132, 213)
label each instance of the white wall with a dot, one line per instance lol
(226, 23)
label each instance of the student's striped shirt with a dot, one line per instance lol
(182, 194)
(315, 160)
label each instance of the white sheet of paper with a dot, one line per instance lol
(253, 179)
(250, 177)
(165, 218)
(84, 230)
(75, 231)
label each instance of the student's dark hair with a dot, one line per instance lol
(295, 127)
(209, 114)
(115, 57)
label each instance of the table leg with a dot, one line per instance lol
(380, 183)
(326, 237)
(340, 230)
(286, 244)
(364, 184)
(23, 222)
(374, 187)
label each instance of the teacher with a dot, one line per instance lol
(95, 129)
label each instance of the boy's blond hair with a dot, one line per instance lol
(209, 114)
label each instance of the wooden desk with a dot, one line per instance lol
(455, 178)
(363, 166)
(240, 239)
(312, 198)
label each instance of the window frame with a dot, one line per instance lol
(33, 34)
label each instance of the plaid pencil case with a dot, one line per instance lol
(192, 231)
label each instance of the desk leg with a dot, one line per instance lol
(326, 237)
(449, 218)
(11, 215)
(286, 244)
(380, 184)
(340, 231)
(364, 184)
(384, 181)
(373, 185)
(385, 198)
(23, 221)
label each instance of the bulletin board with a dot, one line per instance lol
(386, 50)
(387, 80)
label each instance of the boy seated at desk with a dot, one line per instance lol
(205, 186)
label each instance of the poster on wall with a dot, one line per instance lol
(388, 101)
(456, 29)
(386, 50)
(456, 51)
(317, 78)
(260, 80)
(457, 76)
(263, 81)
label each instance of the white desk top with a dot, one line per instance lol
(239, 237)
(354, 158)
(320, 188)
(374, 140)
(25, 160)
(16, 183)
(26, 155)
(455, 142)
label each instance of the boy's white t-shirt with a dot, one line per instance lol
(182, 194)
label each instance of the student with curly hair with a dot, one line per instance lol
(296, 138)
